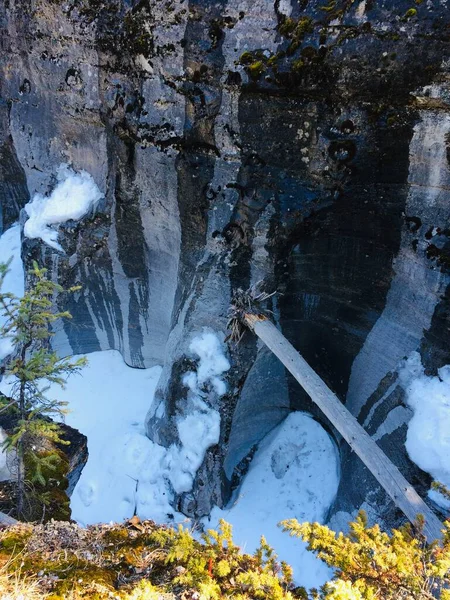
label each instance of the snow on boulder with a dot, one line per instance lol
(199, 424)
(73, 197)
(293, 474)
(212, 363)
(428, 437)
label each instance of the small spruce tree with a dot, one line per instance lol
(372, 565)
(34, 366)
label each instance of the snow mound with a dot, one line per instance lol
(428, 437)
(212, 363)
(74, 196)
(108, 401)
(126, 472)
(198, 429)
(15, 279)
(294, 474)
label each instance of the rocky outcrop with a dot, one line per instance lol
(76, 453)
(59, 483)
(302, 143)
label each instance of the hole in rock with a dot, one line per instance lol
(25, 88)
(413, 224)
(347, 127)
(342, 151)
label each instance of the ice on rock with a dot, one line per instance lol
(197, 431)
(213, 362)
(199, 428)
(201, 425)
(190, 380)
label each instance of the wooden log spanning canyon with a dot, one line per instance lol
(387, 474)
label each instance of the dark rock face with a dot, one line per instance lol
(13, 186)
(74, 453)
(77, 454)
(302, 143)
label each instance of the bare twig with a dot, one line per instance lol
(8, 406)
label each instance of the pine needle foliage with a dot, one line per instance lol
(139, 560)
(372, 565)
(442, 489)
(34, 366)
(218, 569)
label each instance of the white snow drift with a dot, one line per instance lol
(294, 474)
(198, 429)
(428, 437)
(126, 472)
(74, 196)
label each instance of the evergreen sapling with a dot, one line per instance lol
(33, 365)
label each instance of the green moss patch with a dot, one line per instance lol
(140, 560)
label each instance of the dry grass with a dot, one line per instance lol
(16, 586)
(62, 560)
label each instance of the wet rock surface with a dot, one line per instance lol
(302, 143)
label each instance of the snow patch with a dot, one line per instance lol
(108, 402)
(212, 364)
(294, 474)
(428, 437)
(439, 499)
(74, 196)
(14, 280)
(126, 472)
(360, 10)
(198, 429)
(285, 7)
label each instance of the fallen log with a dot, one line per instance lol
(387, 474)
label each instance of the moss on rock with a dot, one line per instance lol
(137, 561)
